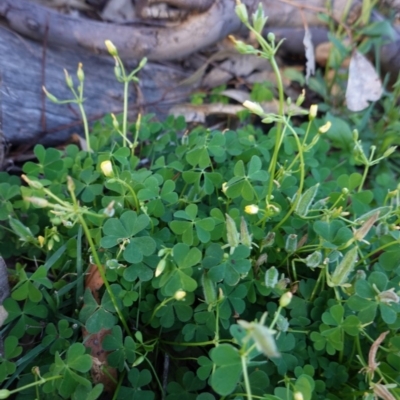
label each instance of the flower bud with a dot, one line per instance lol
(241, 12)
(285, 299)
(298, 396)
(32, 183)
(115, 122)
(271, 37)
(37, 201)
(50, 96)
(160, 267)
(301, 98)
(80, 74)
(4, 393)
(179, 295)
(254, 107)
(111, 48)
(251, 209)
(325, 128)
(70, 184)
(68, 79)
(142, 63)
(313, 112)
(106, 168)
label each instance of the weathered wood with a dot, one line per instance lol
(21, 68)
(68, 40)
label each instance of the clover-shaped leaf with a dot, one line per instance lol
(228, 363)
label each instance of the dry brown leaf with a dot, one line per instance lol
(310, 57)
(94, 281)
(101, 372)
(363, 84)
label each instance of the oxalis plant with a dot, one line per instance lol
(247, 264)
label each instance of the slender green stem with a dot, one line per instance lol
(102, 274)
(246, 378)
(301, 183)
(36, 383)
(276, 316)
(125, 114)
(364, 177)
(155, 375)
(85, 126)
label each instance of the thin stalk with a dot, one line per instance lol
(246, 378)
(102, 274)
(125, 114)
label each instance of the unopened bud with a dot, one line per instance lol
(325, 128)
(285, 299)
(241, 12)
(251, 209)
(106, 168)
(313, 112)
(254, 107)
(50, 96)
(111, 48)
(80, 74)
(68, 79)
(179, 295)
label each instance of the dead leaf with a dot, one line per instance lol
(363, 84)
(94, 281)
(101, 372)
(310, 57)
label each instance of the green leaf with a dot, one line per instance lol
(186, 257)
(228, 363)
(77, 358)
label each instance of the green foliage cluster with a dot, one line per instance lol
(236, 264)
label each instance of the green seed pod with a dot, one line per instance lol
(232, 234)
(268, 241)
(160, 267)
(303, 205)
(4, 394)
(271, 277)
(209, 289)
(245, 237)
(314, 259)
(291, 243)
(382, 229)
(346, 266)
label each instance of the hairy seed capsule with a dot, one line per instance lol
(346, 266)
(305, 201)
(209, 289)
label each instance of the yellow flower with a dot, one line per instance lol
(106, 168)
(251, 209)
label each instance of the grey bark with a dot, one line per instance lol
(27, 27)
